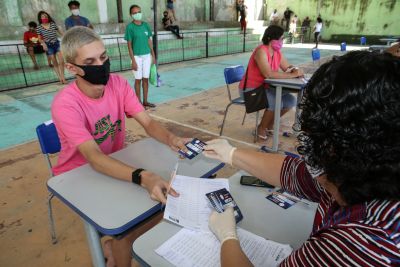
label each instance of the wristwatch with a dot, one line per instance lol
(137, 176)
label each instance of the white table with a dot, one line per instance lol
(295, 84)
(388, 40)
(260, 216)
(110, 206)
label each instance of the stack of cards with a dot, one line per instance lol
(222, 199)
(194, 148)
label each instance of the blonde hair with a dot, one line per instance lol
(74, 38)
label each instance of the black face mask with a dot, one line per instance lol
(96, 74)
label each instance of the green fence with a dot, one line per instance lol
(17, 70)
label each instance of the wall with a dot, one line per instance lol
(15, 14)
(346, 17)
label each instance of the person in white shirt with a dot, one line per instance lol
(274, 18)
(317, 31)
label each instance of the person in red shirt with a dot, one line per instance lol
(33, 45)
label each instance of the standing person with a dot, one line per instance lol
(33, 44)
(350, 143)
(317, 31)
(274, 18)
(242, 11)
(265, 62)
(292, 31)
(171, 9)
(286, 16)
(48, 30)
(305, 27)
(90, 114)
(76, 19)
(169, 25)
(140, 46)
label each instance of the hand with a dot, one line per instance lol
(178, 143)
(157, 187)
(134, 65)
(219, 149)
(44, 47)
(223, 225)
(297, 73)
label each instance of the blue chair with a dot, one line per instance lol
(49, 144)
(316, 55)
(232, 75)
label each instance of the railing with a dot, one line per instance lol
(17, 69)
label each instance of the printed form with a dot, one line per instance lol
(190, 248)
(191, 209)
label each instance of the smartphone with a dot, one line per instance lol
(254, 181)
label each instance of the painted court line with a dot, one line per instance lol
(204, 131)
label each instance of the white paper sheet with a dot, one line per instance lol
(190, 248)
(191, 209)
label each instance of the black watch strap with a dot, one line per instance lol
(137, 177)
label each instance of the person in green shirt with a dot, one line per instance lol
(140, 46)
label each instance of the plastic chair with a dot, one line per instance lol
(232, 75)
(49, 144)
(316, 55)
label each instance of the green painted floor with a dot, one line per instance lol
(22, 110)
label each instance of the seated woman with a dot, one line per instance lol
(265, 62)
(350, 144)
(169, 25)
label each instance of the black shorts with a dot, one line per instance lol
(37, 49)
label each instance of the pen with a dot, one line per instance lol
(173, 175)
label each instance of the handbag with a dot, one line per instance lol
(256, 99)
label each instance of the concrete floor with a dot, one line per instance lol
(191, 103)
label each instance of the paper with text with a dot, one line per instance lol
(190, 248)
(191, 209)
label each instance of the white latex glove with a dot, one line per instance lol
(223, 225)
(219, 149)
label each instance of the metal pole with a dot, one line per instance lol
(155, 39)
(183, 48)
(22, 66)
(120, 56)
(244, 42)
(206, 43)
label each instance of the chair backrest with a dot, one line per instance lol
(233, 74)
(316, 55)
(49, 141)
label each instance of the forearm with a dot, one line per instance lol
(130, 50)
(280, 75)
(155, 130)
(266, 166)
(233, 255)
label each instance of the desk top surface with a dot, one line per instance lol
(262, 217)
(113, 206)
(294, 83)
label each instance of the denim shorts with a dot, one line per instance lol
(53, 48)
(170, 5)
(288, 100)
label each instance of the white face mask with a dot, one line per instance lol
(75, 12)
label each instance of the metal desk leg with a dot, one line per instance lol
(277, 118)
(96, 250)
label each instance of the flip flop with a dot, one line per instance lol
(263, 137)
(150, 105)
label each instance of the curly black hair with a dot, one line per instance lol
(350, 125)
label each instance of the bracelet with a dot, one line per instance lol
(137, 177)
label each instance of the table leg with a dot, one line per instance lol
(96, 250)
(277, 118)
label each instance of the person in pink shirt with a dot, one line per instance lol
(89, 115)
(265, 62)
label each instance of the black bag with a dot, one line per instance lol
(256, 99)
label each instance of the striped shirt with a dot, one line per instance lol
(48, 35)
(365, 234)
